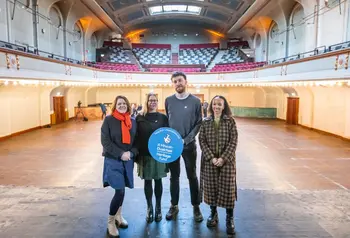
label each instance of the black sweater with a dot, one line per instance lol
(146, 125)
(111, 138)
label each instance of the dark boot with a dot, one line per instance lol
(158, 215)
(149, 216)
(197, 214)
(230, 223)
(173, 211)
(213, 219)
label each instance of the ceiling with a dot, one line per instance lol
(218, 15)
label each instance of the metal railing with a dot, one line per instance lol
(316, 51)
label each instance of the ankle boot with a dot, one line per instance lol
(149, 216)
(112, 230)
(119, 219)
(158, 215)
(213, 219)
(230, 224)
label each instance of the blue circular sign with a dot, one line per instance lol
(165, 145)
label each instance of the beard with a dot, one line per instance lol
(180, 89)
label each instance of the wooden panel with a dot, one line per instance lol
(58, 106)
(200, 96)
(92, 113)
(254, 112)
(292, 111)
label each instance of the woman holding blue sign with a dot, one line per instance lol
(117, 137)
(218, 140)
(148, 168)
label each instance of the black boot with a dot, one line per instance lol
(230, 223)
(149, 217)
(158, 215)
(213, 218)
(197, 214)
(173, 211)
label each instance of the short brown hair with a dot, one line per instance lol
(126, 101)
(175, 74)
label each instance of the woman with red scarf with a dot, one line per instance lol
(117, 137)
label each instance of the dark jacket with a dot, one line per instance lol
(111, 138)
(146, 125)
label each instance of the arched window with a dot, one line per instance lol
(257, 40)
(55, 17)
(77, 31)
(274, 32)
(93, 41)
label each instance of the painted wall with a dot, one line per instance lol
(23, 108)
(56, 31)
(323, 108)
(298, 29)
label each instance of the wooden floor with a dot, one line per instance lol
(292, 182)
(270, 155)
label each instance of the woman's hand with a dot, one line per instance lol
(219, 162)
(125, 156)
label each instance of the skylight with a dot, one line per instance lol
(164, 9)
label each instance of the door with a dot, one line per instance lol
(200, 96)
(58, 107)
(292, 111)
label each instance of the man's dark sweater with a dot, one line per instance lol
(185, 116)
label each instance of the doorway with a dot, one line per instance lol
(58, 107)
(200, 96)
(292, 110)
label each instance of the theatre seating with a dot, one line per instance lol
(187, 70)
(116, 67)
(231, 56)
(152, 53)
(197, 53)
(236, 67)
(118, 55)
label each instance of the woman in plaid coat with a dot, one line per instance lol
(218, 141)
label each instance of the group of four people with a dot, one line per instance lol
(125, 141)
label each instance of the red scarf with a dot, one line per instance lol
(126, 125)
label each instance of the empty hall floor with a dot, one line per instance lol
(293, 182)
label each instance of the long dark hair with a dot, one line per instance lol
(227, 110)
(126, 101)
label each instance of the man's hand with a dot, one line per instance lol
(214, 161)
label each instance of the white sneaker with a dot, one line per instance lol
(111, 228)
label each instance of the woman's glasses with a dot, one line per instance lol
(152, 100)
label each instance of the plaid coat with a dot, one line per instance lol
(218, 184)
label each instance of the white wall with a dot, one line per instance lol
(334, 24)
(323, 108)
(22, 108)
(296, 43)
(49, 36)
(325, 28)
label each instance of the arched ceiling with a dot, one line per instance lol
(218, 15)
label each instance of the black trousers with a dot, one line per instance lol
(117, 201)
(189, 155)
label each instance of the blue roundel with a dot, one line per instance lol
(165, 145)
